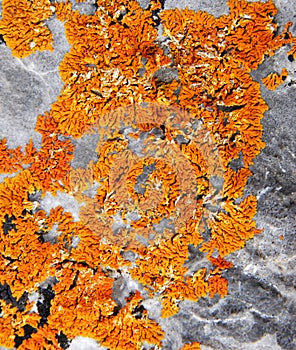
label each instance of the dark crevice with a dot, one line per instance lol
(44, 305)
(225, 52)
(120, 17)
(2, 41)
(6, 295)
(230, 108)
(74, 283)
(291, 58)
(233, 136)
(28, 330)
(138, 311)
(155, 14)
(163, 129)
(286, 36)
(80, 263)
(26, 211)
(63, 341)
(116, 310)
(11, 260)
(8, 225)
(40, 236)
(97, 93)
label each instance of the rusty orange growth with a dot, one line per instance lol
(12, 322)
(10, 159)
(131, 327)
(51, 163)
(45, 336)
(274, 80)
(80, 293)
(102, 71)
(23, 26)
(192, 346)
(113, 62)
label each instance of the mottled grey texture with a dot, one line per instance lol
(85, 151)
(215, 8)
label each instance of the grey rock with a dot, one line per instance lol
(215, 8)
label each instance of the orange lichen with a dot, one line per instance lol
(23, 28)
(129, 330)
(52, 163)
(112, 67)
(192, 346)
(14, 194)
(104, 73)
(219, 285)
(231, 230)
(274, 80)
(45, 336)
(63, 10)
(161, 269)
(214, 67)
(21, 251)
(79, 292)
(235, 182)
(10, 159)
(12, 322)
